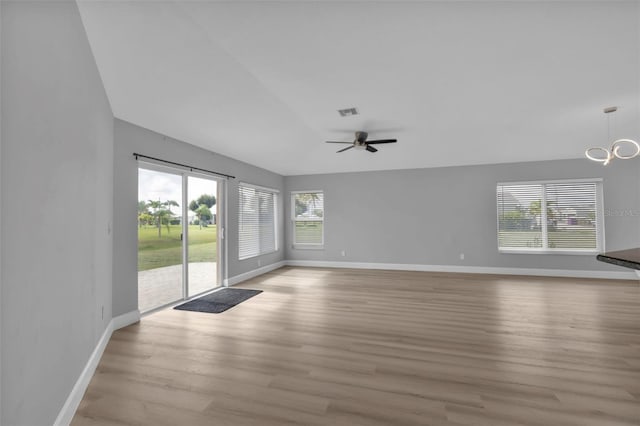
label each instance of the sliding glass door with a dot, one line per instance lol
(159, 238)
(202, 235)
(178, 248)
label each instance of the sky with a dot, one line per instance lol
(153, 185)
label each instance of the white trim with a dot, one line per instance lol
(185, 232)
(77, 393)
(615, 275)
(276, 219)
(221, 222)
(523, 250)
(225, 255)
(259, 254)
(261, 188)
(75, 397)
(307, 246)
(254, 273)
(542, 182)
(158, 167)
(600, 236)
(124, 320)
(307, 192)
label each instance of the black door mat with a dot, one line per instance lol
(218, 301)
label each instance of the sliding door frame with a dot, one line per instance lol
(221, 224)
(221, 220)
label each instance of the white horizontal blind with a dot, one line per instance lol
(308, 218)
(555, 216)
(266, 219)
(571, 217)
(256, 222)
(519, 223)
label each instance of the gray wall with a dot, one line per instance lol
(430, 216)
(57, 182)
(130, 138)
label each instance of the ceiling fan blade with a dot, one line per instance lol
(336, 142)
(371, 149)
(344, 149)
(382, 141)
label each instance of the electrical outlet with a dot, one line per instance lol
(343, 253)
(461, 256)
(259, 263)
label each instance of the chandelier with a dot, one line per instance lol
(604, 155)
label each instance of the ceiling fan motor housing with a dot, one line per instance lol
(361, 137)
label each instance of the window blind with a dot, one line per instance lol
(308, 218)
(256, 222)
(550, 216)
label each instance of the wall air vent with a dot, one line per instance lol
(348, 112)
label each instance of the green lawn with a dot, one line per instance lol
(154, 252)
(309, 232)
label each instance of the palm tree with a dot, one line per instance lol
(162, 213)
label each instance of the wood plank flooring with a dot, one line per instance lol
(361, 347)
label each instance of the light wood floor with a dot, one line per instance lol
(357, 347)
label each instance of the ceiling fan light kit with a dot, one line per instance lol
(606, 155)
(361, 143)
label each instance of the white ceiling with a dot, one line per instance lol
(456, 82)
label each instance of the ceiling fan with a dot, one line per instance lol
(361, 142)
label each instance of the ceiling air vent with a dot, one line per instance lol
(347, 112)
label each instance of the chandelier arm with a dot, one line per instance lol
(605, 161)
(615, 148)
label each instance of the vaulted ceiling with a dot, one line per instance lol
(456, 82)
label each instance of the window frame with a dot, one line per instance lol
(599, 210)
(275, 193)
(306, 246)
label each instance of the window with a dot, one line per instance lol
(307, 212)
(257, 221)
(550, 217)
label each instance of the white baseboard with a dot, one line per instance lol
(566, 273)
(71, 404)
(75, 397)
(125, 319)
(251, 274)
(615, 275)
